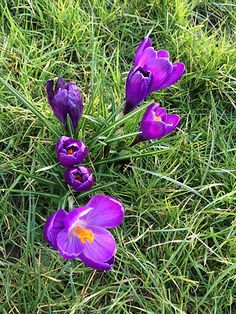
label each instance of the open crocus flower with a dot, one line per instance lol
(65, 99)
(152, 71)
(83, 233)
(80, 178)
(156, 123)
(70, 152)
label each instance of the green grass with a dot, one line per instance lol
(176, 250)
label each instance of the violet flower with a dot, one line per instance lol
(152, 71)
(80, 178)
(83, 233)
(156, 123)
(65, 99)
(70, 152)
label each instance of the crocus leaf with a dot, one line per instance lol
(29, 106)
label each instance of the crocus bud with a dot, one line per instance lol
(137, 86)
(79, 178)
(152, 71)
(70, 152)
(65, 99)
(156, 123)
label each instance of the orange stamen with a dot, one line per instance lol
(84, 234)
(78, 177)
(158, 118)
(70, 151)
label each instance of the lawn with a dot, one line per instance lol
(176, 249)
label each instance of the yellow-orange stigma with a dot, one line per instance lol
(157, 118)
(84, 234)
(70, 151)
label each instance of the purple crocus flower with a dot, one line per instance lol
(156, 123)
(80, 178)
(83, 233)
(152, 71)
(70, 152)
(65, 99)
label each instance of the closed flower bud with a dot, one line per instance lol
(65, 99)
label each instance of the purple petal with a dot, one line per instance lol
(178, 71)
(137, 86)
(69, 175)
(68, 160)
(60, 109)
(76, 217)
(59, 84)
(69, 245)
(85, 186)
(60, 143)
(148, 55)
(161, 70)
(50, 93)
(142, 46)
(103, 246)
(149, 114)
(172, 122)
(75, 106)
(82, 153)
(161, 112)
(54, 224)
(107, 212)
(153, 130)
(162, 54)
(98, 266)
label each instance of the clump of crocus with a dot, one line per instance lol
(65, 99)
(156, 123)
(152, 71)
(80, 178)
(70, 152)
(83, 233)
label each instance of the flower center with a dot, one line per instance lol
(78, 177)
(157, 118)
(70, 151)
(84, 234)
(144, 73)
